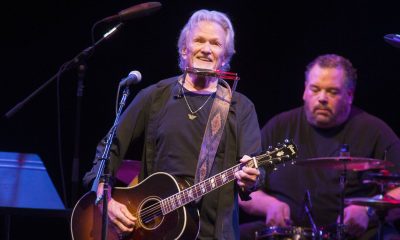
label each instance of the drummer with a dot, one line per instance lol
(320, 128)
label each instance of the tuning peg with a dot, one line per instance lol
(270, 148)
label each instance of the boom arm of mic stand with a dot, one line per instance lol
(66, 66)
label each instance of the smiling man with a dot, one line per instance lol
(171, 118)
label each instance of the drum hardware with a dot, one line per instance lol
(291, 233)
(344, 162)
(307, 209)
(380, 204)
(384, 179)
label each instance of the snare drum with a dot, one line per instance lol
(290, 233)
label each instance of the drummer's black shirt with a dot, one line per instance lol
(366, 135)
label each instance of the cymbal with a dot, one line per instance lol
(380, 204)
(393, 39)
(345, 162)
(382, 177)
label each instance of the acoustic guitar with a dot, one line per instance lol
(162, 203)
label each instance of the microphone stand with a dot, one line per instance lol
(78, 60)
(104, 162)
(75, 161)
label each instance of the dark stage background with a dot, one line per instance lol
(274, 42)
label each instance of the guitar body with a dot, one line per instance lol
(142, 201)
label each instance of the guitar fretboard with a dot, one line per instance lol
(198, 190)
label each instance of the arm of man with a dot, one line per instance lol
(118, 213)
(393, 214)
(249, 142)
(357, 219)
(247, 177)
(276, 213)
(394, 193)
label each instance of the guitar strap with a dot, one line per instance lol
(214, 129)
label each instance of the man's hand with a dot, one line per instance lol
(356, 220)
(247, 177)
(277, 213)
(119, 215)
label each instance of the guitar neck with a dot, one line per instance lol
(279, 155)
(198, 190)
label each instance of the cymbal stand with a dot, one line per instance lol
(343, 179)
(380, 213)
(307, 208)
(344, 152)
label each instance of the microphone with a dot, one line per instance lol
(132, 78)
(140, 10)
(393, 39)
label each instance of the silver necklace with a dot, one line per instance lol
(192, 115)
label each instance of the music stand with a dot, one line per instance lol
(26, 187)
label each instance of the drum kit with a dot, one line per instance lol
(379, 204)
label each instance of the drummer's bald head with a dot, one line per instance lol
(335, 61)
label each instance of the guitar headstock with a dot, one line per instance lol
(283, 152)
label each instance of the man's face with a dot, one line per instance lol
(205, 46)
(327, 100)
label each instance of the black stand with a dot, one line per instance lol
(77, 60)
(307, 209)
(26, 189)
(381, 214)
(7, 223)
(104, 161)
(66, 66)
(75, 161)
(344, 152)
(340, 227)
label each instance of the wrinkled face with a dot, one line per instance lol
(205, 46)
(327, 100)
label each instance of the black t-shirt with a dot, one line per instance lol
(178, 156)
(366, 135)
(175, 154)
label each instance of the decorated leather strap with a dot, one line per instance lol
(214, 129)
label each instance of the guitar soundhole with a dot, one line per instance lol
(150, 214)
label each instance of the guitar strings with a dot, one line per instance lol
(155, 210)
